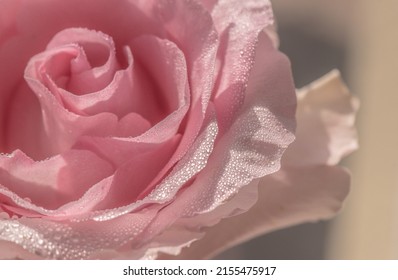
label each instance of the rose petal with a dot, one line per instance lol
(236, 21)
(8, 10)
(301, 191)
(191, 229)
(326, 116)
(288, 197)
(132, 125)
(53, 131)
(52, 182)
(153, 87)
(75, 240)
(23, 111)
(93, 69)
(12, 251)
(166, 69)
(186, 169)
(200, 47)
(135, 178)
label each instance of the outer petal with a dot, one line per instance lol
(300, 191)
(326, 131)
(288, 197)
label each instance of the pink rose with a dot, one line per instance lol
(130, 128)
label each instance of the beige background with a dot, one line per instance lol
(368, 226)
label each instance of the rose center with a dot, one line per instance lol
(77, 88)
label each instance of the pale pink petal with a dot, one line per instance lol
(165, 243)
(326, 117)
(286, 198)
(300, 191)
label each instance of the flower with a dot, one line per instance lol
(129, 128)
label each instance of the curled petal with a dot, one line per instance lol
(325, 127)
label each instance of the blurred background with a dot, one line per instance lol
(358, 37)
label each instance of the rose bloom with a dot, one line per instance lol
(143, 128)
